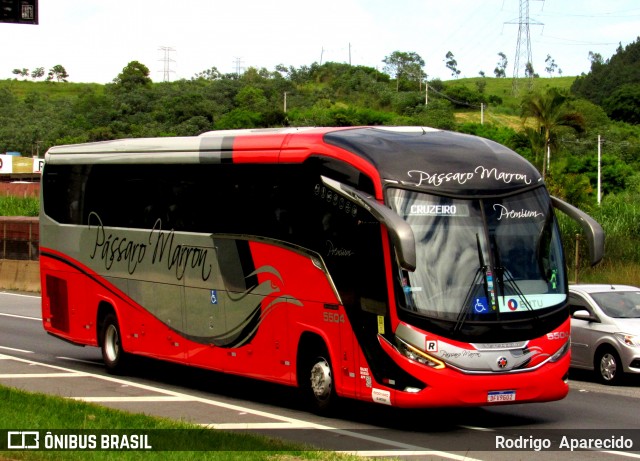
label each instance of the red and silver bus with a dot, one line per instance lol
(405, 266)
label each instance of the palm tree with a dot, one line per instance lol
(550, 112)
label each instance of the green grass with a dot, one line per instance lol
(619, 216)
(503, 87)
(18, 206)
(52, 90)
(23, 411)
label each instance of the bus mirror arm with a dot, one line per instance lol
(590, 226)
(399, 230)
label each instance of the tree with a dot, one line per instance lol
(529, 72)
(21, 72)
(209, 74)
(551, 65)
(596, 59)
(624, 103)
(58, 72)
(403, 66)
(452, 64)
(133, 75)
(549, 111)
(251, 99)
(604, 83)
(37, 73)
(501, 68)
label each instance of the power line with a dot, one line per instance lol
(455, 101)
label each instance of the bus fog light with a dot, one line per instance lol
(412, 390)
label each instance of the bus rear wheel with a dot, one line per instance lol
(113, 354)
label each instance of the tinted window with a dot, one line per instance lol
(283, 202)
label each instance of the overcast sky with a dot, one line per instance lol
(94, 39)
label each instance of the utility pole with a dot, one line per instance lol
(426, 93)
(599, 168)
(524, 41)
(285, 102)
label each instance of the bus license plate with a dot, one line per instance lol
(501, 396)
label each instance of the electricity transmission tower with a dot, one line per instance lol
(524, 42)
(167, 62)
(238, 64)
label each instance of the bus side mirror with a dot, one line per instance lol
(594, 231)
(399, 230)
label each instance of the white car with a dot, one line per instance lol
(605, 330)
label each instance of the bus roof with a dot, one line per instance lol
(416, 157)
(437, 160)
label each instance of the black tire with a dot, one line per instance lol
(113, 354)
(608, 366)
(317, 383)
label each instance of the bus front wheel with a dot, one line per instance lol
(318, 384)
(113, 354)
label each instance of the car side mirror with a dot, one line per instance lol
(584, 315)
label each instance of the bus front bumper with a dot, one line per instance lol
(449, 387)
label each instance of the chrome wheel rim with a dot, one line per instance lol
(112, 343)
(608, 367)
(321, 381)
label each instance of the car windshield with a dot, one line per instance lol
(619, 304)
(481, 259)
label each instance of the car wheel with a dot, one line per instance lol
(113, 354)
(608, 367)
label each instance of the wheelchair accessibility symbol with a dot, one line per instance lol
(480, 307)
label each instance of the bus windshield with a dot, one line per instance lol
(482, 259)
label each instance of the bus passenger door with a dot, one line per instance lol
(347, 368)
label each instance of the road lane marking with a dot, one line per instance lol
(133, 399)
(477, 428)
(622, 453)
(19, 294)
(12, 349)
(42, 375)
(291, 423)
(20, 316)
(236, 426)
(396, 453)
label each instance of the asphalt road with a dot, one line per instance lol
(32, 360)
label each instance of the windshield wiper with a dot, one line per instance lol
(481, 274)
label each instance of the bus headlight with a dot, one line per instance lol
(415, 354)
(560, 353)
